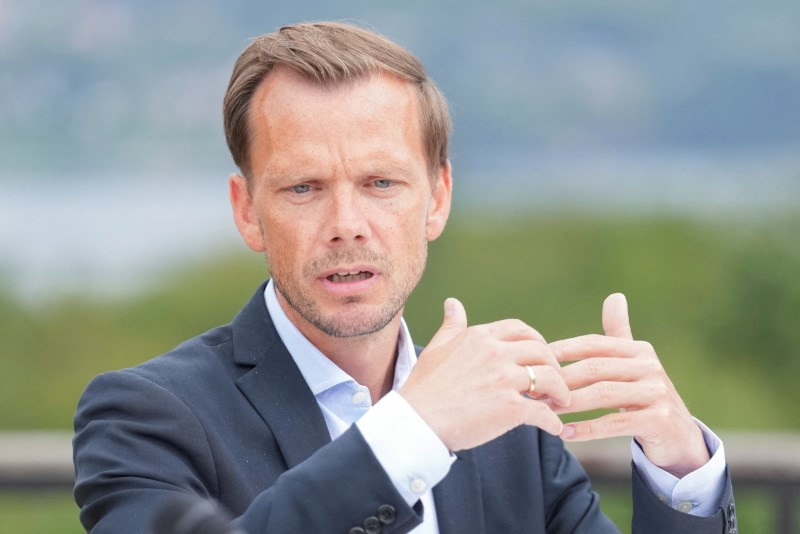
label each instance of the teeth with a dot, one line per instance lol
(349, 276)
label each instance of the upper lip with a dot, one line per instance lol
(350, 269)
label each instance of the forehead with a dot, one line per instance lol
(293, 120)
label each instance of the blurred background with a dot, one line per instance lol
(652, 149)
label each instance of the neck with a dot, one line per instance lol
(370, 359)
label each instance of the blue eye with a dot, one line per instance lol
(301, 188)
(382, 184)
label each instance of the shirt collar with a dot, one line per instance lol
(319, 372)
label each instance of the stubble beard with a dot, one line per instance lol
(352, 322)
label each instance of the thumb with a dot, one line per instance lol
(455, 322)
(615, 317)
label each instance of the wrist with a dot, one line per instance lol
(679, 457)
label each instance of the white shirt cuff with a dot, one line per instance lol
(698, 493)
(411, 454)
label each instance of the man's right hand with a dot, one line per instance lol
(469, 384)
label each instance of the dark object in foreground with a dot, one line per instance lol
(188, 514)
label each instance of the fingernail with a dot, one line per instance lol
(568, 432)
(448, 307)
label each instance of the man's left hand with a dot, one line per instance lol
(615, 372)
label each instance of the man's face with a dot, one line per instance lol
(341, 201)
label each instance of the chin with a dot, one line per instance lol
(354, 322)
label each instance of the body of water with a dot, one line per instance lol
(112, 235)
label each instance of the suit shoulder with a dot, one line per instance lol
(192, 364)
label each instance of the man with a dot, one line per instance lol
(310, 411)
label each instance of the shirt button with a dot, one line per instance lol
(418, 485)
(685, 507)
(359, 397)
(662, 498)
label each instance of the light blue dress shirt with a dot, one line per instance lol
(413, 456)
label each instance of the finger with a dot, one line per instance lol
(590, 371)
(454, 322)
(613, 395)
(540, 415)
(615, 317)
(514, 330)
(548, 384)
(530, 352)
(593, 345)
(608, 426)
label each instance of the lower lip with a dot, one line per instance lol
(348, 289)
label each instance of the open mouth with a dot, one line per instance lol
(355, 276)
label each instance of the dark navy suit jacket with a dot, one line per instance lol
(227, 416)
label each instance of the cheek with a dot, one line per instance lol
(409, 216)
(282, 243)
(413, 235)
(403, 227)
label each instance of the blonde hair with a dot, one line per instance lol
(329, 54)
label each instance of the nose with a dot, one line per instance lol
(347, 219)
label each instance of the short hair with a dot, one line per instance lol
(330, 54)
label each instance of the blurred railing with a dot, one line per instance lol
(765, 461)
(36, 460)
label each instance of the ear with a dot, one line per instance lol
(439, 208)
(244, 213)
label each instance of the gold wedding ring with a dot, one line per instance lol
(532, 375)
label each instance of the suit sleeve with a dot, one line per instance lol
(651, 516)
(571, 505)
(136, 444)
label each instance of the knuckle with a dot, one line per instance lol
(510, 377)
(654, 367)
(605, 391)
(522, 328)
(595, 340)
(548, 374)
(663, 412)
(617, 422)
(658, 389)
(540, 346)
(518, 324)
(480, 330)
(645, 348)
(510, 402)
(595, 367)
(486, 346)
(517, 407)
(539, 411)
(591, 427)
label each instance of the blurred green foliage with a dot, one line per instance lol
(712, 297)
(38, 513)
(720, 302)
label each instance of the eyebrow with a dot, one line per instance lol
(390, 168)
(379, 165)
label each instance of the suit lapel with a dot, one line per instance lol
(274, 385)
(458, 498)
